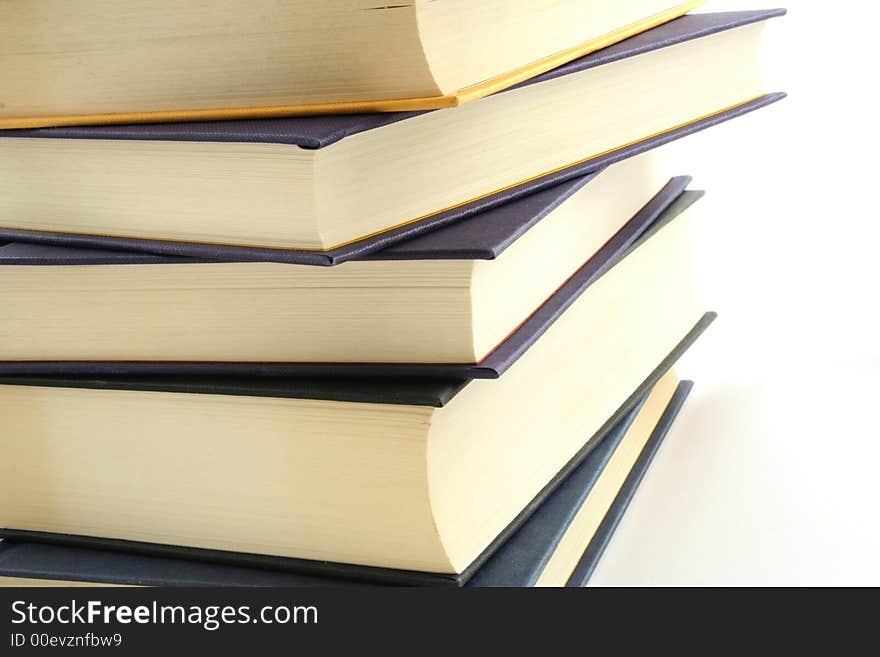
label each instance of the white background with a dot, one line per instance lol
(772, 473)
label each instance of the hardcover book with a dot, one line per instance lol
(321, 184)
(160, 60)
(546, 550)
(439, 317)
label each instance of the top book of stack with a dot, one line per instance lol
(80, 62)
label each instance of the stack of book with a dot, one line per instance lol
(330, 293)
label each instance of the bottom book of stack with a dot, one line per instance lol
(559, 544)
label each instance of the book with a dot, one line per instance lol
(362, 248)
(151, 461)
(100, 62)
(319, 183)
(547, 549)
(448, 315)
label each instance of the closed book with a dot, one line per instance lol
(81, 61)
(546, 549)
(325, 187)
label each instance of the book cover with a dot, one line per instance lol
(670, 203)
(518, 561)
